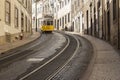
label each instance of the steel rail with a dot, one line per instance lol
(59, 69)
(10, 58)
(35, 70)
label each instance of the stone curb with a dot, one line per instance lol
(11, 46)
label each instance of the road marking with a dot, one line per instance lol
(35, 59)
(45, 63)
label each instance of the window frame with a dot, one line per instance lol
(16, 17)
(8, 14)
(22, 20)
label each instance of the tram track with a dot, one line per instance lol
(77, 47)
(55, 64)
(76, 68)
(50, 66)
(26, 54)
(20, 52)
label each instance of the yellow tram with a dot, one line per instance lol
(47, 24)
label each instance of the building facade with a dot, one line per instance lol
(40, 8)
(37, 13)
(76, 15)
(15, 18)
(99, 18)
(62, 14)
(47, 8)
(59, 9)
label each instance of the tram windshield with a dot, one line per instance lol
(47, 22)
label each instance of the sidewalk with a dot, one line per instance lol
(106, 63)
(18, 43)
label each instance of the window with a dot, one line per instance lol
(51, 22)
(87, 18)
(48, 23)
(68, 17)
(114, 9)
(16, 17)
(62, 21)
(55, 22)
(91, 9)
(65, 19)
(22, 21)
(26, 23)
(44, 22)
(7, 12)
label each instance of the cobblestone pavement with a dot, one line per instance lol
(107, 61)
(8, 46)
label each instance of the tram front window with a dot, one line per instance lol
(44, 22)
(49, 22)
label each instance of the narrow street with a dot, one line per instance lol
(46, 60)
(59, 39)
(30, 54)
(61, 56)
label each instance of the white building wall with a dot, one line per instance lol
(78, 23)
(39, 14)
(65, 10)
(2, 21)
(62, 12)
(11, 28)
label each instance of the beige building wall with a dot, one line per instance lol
(10, 29)
(80, 8)
(100, 18)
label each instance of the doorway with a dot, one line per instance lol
(91, 26)
(108, 26)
